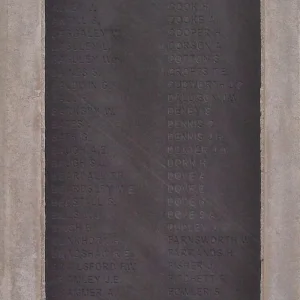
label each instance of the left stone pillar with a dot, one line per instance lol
(22, 150)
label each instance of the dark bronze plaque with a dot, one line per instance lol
(152, 149)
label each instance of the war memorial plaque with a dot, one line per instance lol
(152, 150)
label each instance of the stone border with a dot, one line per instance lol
(22, 150)
(280, 150)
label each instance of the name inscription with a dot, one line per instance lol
(152, 149)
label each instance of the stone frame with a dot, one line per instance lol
(22, 215)
(280, 135)
(22, 150)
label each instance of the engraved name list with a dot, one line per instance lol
(152, 149)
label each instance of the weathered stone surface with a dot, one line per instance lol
(281, 149)
(21, 150)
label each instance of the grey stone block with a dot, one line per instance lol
(280, 151)
(21, 150)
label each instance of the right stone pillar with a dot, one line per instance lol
(280, 105)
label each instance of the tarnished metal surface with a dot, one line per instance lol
(153, 156)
